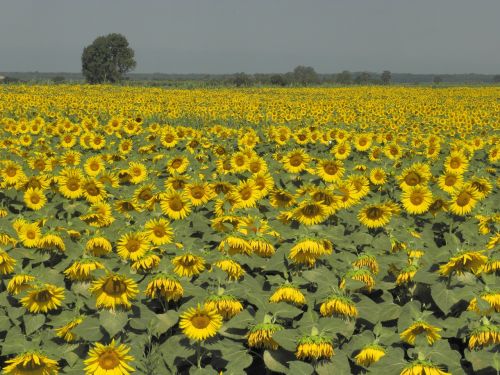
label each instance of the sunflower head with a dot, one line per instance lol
(112, 359)
(200, 323)
(31, 363)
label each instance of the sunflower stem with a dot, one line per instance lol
(198, 354)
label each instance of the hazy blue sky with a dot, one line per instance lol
(226, 36)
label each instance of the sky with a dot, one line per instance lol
(258, 36)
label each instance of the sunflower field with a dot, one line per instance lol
(279, 231)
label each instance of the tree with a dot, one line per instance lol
(496, 78)
(241, 79)
(277, 80)
(344, 78)
(386, 77)
(107, 59)
(58, 79)
(437, 80)
(362, 78)
(305, 75)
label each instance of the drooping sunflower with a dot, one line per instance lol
(484, 335)
(417, 199)
(359, 274)
(261, 336)
(98, 246)
(200, 323)
(422, 367)
(489, 303)
(81, 270)
(470, 261)
(133, 245)
(367, 260)
(188, 265)
(109, 359)
(31, 363)
(19, 283)
(420, 327)
(175, 205)
(51, 242)
(339, 305)
(146, 262)
(232, 268)
(6, 263)
(308, 250)
(369, 355)
(114, 290)
(375, 215)
(314, 347)
(288, 293)
(65, 333)
(166, 287)
(43, 298)
(406, 274)
(226, 305)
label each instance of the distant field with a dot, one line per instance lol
(289, 230)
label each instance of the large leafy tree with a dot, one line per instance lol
(107, 59)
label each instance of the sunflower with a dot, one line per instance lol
(109, 359)
(232, 268)
(145, 196)
(421, 367)
(175, 205)
(450, 181)
(368, 261)
(288, 293)
(133, 245)
(406, 274)
(296, 161)
(43, 298)
(188, 265)
(7, 263)
(226, 305)
(146, 262)
(264, 182)
(342, 150)
(482, 185)
(417, 199)
(489, 303)
(484, 335)
(470, 261)
(51, 242)
(238, 162)
(375, 215)
(363, 142)
(339, 305)
(314, 347)
(393, 151)
(177, 165)
(81, 270)
(70, 182)
(31, 363)
(369, 355)
(456, 162)
(166, 287)
(138, 172)
(347, 195)
(65, 333)
(416, 175)
(309, 212)
(19, 283)
(200, 323)
(360, 184)
(12, 173)
(280, 198)
(198, 193)
(431, 333)
(114, 290)
(261, 336)
(363, 275)
(98, 246)
(378, 176)
(93, 190)
(94, 166)
(158, 231)
(245, 194)
(330, 170)
(30, 234)
(125, 146)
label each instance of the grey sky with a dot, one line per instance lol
(226, 36)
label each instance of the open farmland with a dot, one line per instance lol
(337, 230)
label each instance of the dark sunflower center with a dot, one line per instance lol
(450, 180)
(311, 210)
(35, 199)
(296, 160)
(73, 184)
(137, 172)
(159, 231)
(114, 287)
(374, 213)
(479, 186)
(254, 167)
(200, 321)
(40, 164)
(42, 296)
(11, 171)
(31, 234)
(178, 184)
(240, 161)
(176, 163)
(108, 360)
(412, 179)
(416, 199)
(176, 204)
(133, 245)
(92, 189)
(463, 199)
(197, 192)
(362, 142)
(94, 166)
(246, 193)
(455, 163)
(146, 195)
(331, 169)
(169, 138)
